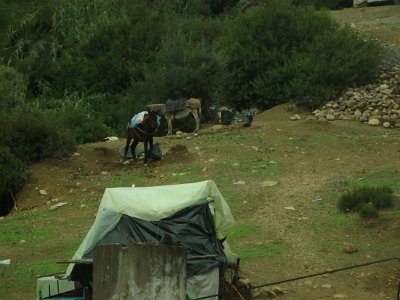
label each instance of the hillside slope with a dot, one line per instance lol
(281, 178)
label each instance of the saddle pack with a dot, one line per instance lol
(137, 119)
(175, 105)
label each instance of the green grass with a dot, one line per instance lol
(242, 237)
(248, 252)
(242, 231)
(217, 136)
(332, 228)
(192, 173)
(313, 139)
(248, 168)
(21, 228)
(24, 271)
(385, 177)
(126, 180)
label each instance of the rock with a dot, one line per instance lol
(373, 122)
(289, 208)
(339, 296)
(54, 207)
(268, 183)
(239, 182)
(111, 139)
(43, 192)
(5, 262)
(387, 91)
(386, 124)
(217, 127)
(243, 282)
(379, 100)
(330, 117)
(295, 117)
(349, 248)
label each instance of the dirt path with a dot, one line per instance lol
(381, 22)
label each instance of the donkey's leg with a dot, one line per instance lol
(196, 116)
(146, 150)
(128, 141)
(169, 120)
(133, 147)
(151, 146)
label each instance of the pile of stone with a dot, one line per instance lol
(375, 104)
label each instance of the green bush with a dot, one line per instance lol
(366, 200)
(184, 68)
(13, 174)
(12, 88)
(77, 115)
(368, 210)
(278, 53)
(31, 134)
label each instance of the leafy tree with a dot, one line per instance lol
(220, 6)
(183, 69)
(31, 134)
(12, 88)
(279, 53)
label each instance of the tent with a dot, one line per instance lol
(191, 215)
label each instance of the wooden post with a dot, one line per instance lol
(139, 271)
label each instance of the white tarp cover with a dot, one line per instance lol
(153, 204)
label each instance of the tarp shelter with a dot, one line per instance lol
(191, 215)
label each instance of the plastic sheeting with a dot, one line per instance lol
(191, 227)
(153, 204)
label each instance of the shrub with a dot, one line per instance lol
(12, 88)
(366, 200)
(13, 174)
(184, 68)
(81, 120)
(368, 210)
(31, 134)
(278, 53)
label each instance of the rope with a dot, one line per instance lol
(327, 272)
(142, 131)
(331, 271)
(240, 295)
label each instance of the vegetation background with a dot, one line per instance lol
(73, 72)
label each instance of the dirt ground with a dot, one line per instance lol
(380, 22)
(286, 230)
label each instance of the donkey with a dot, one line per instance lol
(143, 132)
(192, 106)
